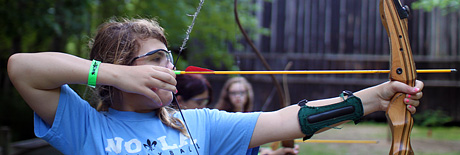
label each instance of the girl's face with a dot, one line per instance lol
(238, 94)
(141, 103)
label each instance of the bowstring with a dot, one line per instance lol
(182, 47)
(189, 30)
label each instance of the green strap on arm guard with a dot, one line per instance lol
(312, 119)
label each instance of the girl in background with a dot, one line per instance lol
(237, 95)
(194, 91)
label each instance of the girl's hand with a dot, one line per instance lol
(144, 80)
(378, 98)
(413, 94)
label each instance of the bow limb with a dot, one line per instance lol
(394, 19)
(289, 143)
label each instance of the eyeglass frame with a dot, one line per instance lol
(196, 100)
(169, 56)
(235, 93)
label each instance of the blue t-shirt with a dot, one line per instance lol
(80, 129)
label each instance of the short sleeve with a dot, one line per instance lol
(70, 122)
(233, 130)
(226, 133)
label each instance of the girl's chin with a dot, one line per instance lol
(165, 104)
(166, 97)
(238, 103)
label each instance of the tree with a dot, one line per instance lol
(446, 5)
(67, 26)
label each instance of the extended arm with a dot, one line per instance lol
(38, 77)
(283, 124)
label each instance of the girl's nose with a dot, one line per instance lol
(169, 65)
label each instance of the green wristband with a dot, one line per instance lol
(92, 76)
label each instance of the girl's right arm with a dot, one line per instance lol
(39, 76)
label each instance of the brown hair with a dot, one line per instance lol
(191, 85)
(118, 42)
(224, 102)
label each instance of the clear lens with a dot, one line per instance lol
(158, 57)
(235, 93)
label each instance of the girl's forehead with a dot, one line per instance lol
(237, 86)
(150, 45)
(205, 94)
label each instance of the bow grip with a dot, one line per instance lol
(401, 122)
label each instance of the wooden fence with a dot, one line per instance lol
(348, 34)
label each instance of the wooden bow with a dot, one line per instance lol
(394, 19)
(286, 143)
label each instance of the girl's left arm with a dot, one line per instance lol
(284, 124)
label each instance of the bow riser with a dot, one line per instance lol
(402, 69)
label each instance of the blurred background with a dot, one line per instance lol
(306, 34)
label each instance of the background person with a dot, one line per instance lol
(194, 91)
(236, 95)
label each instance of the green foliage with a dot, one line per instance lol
(217, 32)
(67, 26)
(431, 118)
(445, 5)
(15, 114)
(51, 25)
(214, 31)
(41, 25)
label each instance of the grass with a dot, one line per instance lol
(438, 133)
(443, 141)
(420, 132)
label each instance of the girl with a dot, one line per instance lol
(236, 96)
(194, 91)
(135, 82)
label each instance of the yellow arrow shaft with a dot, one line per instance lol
(315, 72)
